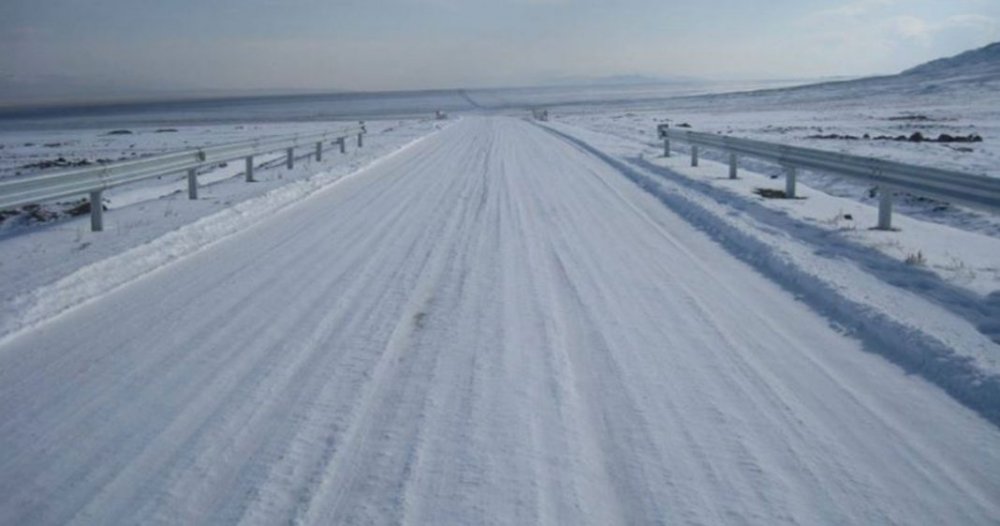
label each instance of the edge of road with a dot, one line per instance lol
(916, 349)
(91, 282)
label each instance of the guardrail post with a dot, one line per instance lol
(97, 211)
(319, 151)
(790, 173)
(343, 145)
(694, 155)
(884, 208)
(361, 141)
(666, 147)
(249, 170)
(290, 161)
(192, 184)
(732, 166)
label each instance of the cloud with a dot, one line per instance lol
(403, 44)
(883, 36)
(854, 8)
(923, 31)
(909, 26)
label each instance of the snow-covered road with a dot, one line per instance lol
(489, 327)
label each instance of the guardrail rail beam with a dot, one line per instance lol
(92, 181)
(976, 191)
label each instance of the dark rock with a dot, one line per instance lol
(81, 207)
(909, 118)
(38, 213)
(770, 193)
(4, 214)
(833, 136)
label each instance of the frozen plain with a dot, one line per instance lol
(493, 325)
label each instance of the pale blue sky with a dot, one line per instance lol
(84, 46)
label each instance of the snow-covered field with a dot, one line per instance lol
(962, 245)
(29, 152)
(489, 320)
(805, 126)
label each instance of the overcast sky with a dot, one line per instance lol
(74, 48)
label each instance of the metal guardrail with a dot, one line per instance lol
(94, 181)
(975, 191)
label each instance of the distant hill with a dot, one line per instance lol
(970, 75)
(619, 80)
(981, 64)
(974, 70)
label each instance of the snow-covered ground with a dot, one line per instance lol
(961, 245)
(504, 323)
(803, 126)
(959, 97)
(29, 152)
(34, 254)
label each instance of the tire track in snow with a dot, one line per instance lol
(400, 366)
(303, 462)
(778, 400)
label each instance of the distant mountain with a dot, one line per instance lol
(981, 63)
(974, 71)
(619, 80)
(972, 75)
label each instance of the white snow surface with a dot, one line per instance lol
(501, 324)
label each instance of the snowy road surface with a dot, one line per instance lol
(490, 327)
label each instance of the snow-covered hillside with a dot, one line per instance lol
(978, 65)
(972, 74)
